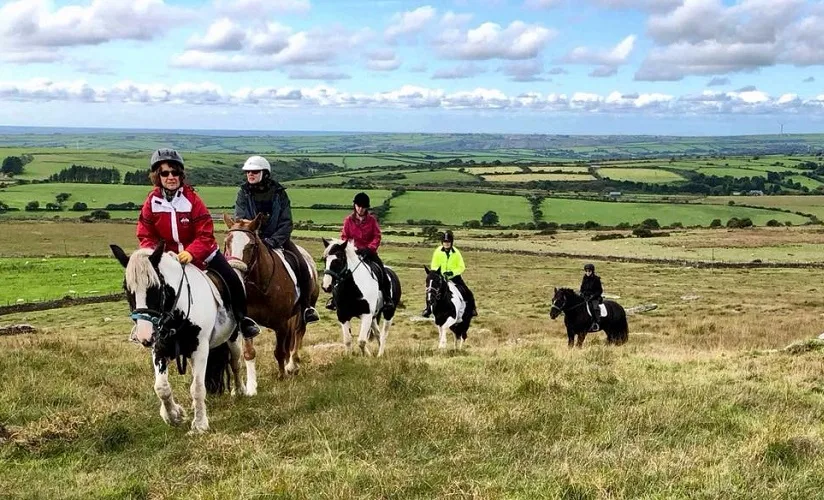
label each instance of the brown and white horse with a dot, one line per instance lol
(272, 295)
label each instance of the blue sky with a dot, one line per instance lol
(676, 67)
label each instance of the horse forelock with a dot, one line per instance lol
(336, 245)
(140, 273)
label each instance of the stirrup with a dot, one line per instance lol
(330, 304)
(310, 315)
(248, 328)
(595, 327)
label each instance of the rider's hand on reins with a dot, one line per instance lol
(184, 257)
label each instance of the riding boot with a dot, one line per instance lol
(596, 314)
(427, 311)
(330, 304)
(388, 304)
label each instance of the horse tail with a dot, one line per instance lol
(621, 326)
(218, 374)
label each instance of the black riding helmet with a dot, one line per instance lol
(589, 267)
(448, 236)
(166, 155)
(361, 200)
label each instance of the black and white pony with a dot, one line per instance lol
(578, 321)
(355, 288)
(181, 316)
(448, 307)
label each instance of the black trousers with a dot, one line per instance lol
(236, 290)
(303, 274)
(468, 296)
(595, 311)
(370, 256)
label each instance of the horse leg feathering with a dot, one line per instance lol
(363, 337)
(171, 412)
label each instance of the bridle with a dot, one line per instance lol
(254, 261)
(160, 318)
(563, 308)
(346, 273)
(436, 291)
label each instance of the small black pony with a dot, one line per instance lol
(446, 308)
(578, 321)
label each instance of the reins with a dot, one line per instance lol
(161, 332)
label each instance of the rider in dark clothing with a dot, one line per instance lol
(261, 194)
(592, 291)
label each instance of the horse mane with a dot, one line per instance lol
(569, 291)
(348, 247)
(140, 274)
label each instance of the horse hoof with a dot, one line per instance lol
(442, 346)
(251, 390)
(175, 417)
(199, 427)
(292, 369)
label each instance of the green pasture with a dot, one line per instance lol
(501, 169)
(455, 208)
(613, 213)
(36, 279)
(583, 177)
(731, 172)
(809, 204)
(806, 181)
(100, 195)
(647, 175)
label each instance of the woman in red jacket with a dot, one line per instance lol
(173, 213)
(362, 229)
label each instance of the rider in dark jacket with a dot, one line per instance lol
(261, 194)
(592, 291)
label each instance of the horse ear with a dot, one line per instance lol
(426, 268)
(228, 221)
(325, 242)
(556, 289)
(157, 254)
(255, 224)
(120, 255)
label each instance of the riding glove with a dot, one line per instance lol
(184, 257)
(448, 274)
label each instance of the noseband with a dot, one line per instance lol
(160, 319)
(250, 267)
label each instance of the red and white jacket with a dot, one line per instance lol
(364, 232)
(183, 223)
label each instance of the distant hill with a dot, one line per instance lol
(566, 147)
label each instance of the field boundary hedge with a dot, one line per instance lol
(60, 303)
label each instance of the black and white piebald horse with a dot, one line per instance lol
(354, 284)
(578, 321)
(181, 316)
(448, 307)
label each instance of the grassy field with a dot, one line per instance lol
(582, 177)
(23, 278)
(698, 404)
(806, 204)
(455, 208)
(612, 213)
(98, 196)
(502, 169)
(649, 175)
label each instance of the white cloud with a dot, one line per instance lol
(221, 35)
(458, 72)
(382, 60)
(254, 8)
(705, 37)
(645, 5)
(35, 24)
(272, 46)
(408, 96)
(405, 24)
(519, 40)
(604, 71)
(615, 56)
(717, 81)
(317, 73)
(524, 71)
(541, 4)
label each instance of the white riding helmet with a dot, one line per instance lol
(257, 163)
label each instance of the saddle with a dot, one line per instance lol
(221, 287)
(377, 271)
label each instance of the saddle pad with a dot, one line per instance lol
(603, 309)
(291, 272)
(458, 301)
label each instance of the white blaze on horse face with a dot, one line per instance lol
(327, 280)
(240, 241)
(144, 329)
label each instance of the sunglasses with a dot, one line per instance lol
(254, 172)
(167, 173)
